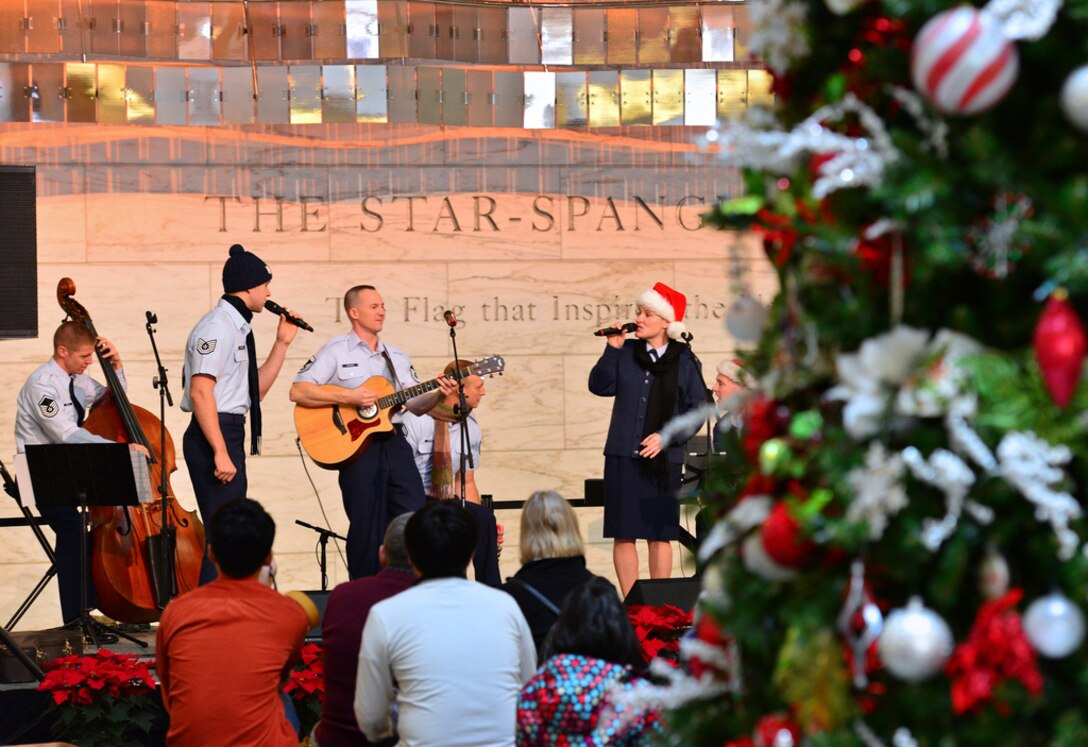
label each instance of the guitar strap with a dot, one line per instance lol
(392, 370)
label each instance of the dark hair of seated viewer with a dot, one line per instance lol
(441, 538)
(592, 622)
(241, 534)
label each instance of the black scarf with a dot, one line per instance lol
(662, 404)
(254, 383)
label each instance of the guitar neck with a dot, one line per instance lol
(399, 398)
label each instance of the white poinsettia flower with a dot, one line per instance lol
(938, 385)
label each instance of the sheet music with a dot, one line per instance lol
(139, 471)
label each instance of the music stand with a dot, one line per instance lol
(28, 519)
(78, 476)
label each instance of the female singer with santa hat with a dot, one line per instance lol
(653, 378)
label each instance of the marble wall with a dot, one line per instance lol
(535, 239)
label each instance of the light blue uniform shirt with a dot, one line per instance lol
(419, 431)
(217, 348)
(44, 410)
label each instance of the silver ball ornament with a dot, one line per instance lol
(1054, 625)
(1074, 98)
(745, 319)
(915, 642)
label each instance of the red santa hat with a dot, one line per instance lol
(669, 304)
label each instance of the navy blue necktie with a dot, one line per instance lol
(80, 410)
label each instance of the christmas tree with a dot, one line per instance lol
(899, 550)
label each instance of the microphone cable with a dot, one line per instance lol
(321, 505)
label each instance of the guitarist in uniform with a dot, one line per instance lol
(383, 482)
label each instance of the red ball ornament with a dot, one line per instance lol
(782, 538)
(777, 729)
(1059, 348)
(963, 62)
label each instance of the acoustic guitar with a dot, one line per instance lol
(336, 435)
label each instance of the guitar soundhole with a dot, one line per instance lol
(366, 413)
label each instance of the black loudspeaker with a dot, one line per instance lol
(320, 599)
(594, 491)
(18, 252)
(679, 592)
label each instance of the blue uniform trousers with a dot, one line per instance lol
(200, 460)
(66, 523)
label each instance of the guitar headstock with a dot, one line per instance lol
(489, 366)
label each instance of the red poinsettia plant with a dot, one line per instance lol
(102, 699)
(306, 686)
(658, 629)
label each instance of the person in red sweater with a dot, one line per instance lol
(224, 650)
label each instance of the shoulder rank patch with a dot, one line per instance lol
(205, 346)
(307, 365)
(48, 406)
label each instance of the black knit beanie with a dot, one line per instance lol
(244, 270)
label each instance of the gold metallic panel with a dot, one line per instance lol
(12, 35)
(112, 108)
(700, 97)
(523, 36)
(228, 37)
(604, 98)
(305, 94)
(296, 31)
(49, 99)
(140, 94)
(204, 105)
(171, 96)
(454, 101)
(622, 32)
(81, 89)
(74, 38)
(15, 92)
(509, 99)
(264, 32)
(466, 45)
(668, 88)
(653, 35)
(589, 36)
(273, 95)
(42, 36)
(104, 22)
(132, 41)
(742, 30)
(162, 32)
(717, 33)
(237, 96)
(759, 88)
(539, 100)
(338, 97)
(393, 28)
(361, 24)
(481, 106)
(402, 94)
(685, 44)
(429, 85)
(195, 31)
(330, 40)
(443, 41)
(636, 105)
(422, 30)
(571, 100)
(556, 36)
(491, 35)
(371, 94)
(732, 94)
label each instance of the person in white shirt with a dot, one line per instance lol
(458, 651)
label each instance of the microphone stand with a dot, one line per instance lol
(167, 581)
(462, 412)
(325, 534)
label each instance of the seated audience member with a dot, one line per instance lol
(592, 653)
(225, 650)
(553, 561)
(458, 651)
(342, 630)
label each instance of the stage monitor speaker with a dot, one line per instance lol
(679, 592)
(594, 491)
(320, 599)
(18, 252)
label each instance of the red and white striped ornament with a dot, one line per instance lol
(963, 62)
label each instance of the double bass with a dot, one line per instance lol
(125, 540)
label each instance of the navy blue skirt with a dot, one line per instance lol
(638, 503)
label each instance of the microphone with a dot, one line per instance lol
(275, 308)
(610, 331)
(450, 317)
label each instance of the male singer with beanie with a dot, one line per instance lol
(653, 378)
(223, 382)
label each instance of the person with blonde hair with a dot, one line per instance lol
(553, 561)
